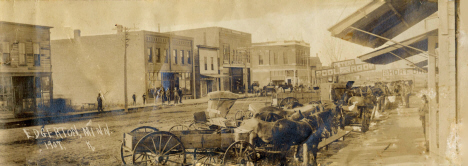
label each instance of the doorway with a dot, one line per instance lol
(171, 81)
(24, 93)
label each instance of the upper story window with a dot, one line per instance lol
(149, 51)
(5, 50)
(157, 55)
(206, 61)
(37, 54)
(260, 58)
(226, 53)
(212, 63)
(267, 57)
(189, 61)
(182, 56)
(166, 60)
(174, 59)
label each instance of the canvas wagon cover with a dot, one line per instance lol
(220, 103)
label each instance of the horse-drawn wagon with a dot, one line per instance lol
(147, 145)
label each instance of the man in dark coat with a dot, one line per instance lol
(168, 96)
(144, 98)
(134, 99)
(163, 95)
(99, 100)
(181, 93)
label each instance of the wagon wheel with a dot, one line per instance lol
(179, 127)
(159, 148)
(365, 120)
(144, 129)
(207, 157)
(240, 152)
(125, 153)
(288, 100)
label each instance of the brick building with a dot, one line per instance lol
(25, 67)
(231, 66)
(89, 65)
(280, 62)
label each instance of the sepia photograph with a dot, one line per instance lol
(233, 82)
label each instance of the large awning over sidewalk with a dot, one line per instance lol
(386, 18)
(396, 52)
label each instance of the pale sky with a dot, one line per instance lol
(266, 20)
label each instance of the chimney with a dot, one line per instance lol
(119, 28)
(77, 33)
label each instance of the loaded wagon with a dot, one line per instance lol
(208, 145)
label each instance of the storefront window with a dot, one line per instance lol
(45, 83)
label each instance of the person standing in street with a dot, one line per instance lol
(176, 96)
(422, 116)
(134, 99)
(156, 95)
(163, 95)
(144, 98)
(168, 96)
(181, 93)
(99, 100)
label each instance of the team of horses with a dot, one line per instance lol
(284, 129)
(305, 129)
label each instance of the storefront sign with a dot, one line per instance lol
(343, 63)
(345, 70)
(406, 71)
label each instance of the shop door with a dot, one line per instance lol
(209, 86)
(237, 80)
(171, 81)
(24, 93)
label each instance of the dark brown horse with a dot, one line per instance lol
(273, 117)
(285, 133)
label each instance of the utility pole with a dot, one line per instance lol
(125, 30)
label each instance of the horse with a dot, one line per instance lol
(273, 117)
(285, 133)
(286, 86)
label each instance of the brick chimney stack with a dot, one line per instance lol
(119, 28)
(76, 33)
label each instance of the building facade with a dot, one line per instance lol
(95, 64)
(25, 67)
(232, 60)
(281, 62)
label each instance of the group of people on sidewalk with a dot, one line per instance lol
(160, 93)
(168, 95)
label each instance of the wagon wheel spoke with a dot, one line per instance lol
(160, 141)
(166, 144)
(149, 149)
(144, 154)
(139, 156)
(171, 149)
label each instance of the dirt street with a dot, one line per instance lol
(100, 149)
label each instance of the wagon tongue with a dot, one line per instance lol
(220, 103)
